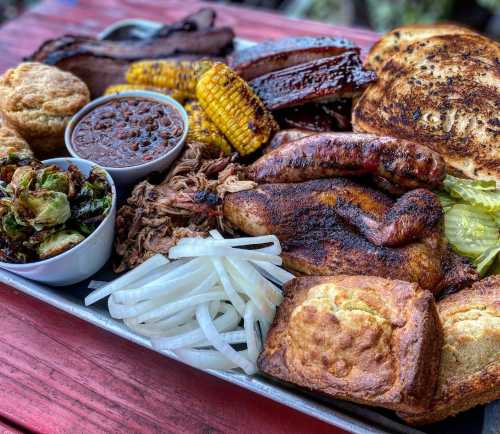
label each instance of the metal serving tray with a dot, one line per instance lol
(351, 417)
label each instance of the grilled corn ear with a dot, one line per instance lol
(125, 87)
(202, 129)
(233, 107)
(180, 75)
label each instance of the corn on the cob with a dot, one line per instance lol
(202, 129)
(125, 87)
(233, 107)
(180, 75)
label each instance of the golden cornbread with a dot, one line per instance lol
(11, 141)
(39, 100)
(470, 362)
(366, 339)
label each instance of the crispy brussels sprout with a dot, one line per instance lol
(94, 199)
(12, 228)
(58, 243)
(22, 179)
(45, 211)
(54, 179)
(45, 208)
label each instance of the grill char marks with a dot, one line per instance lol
(401, 162)
(318, 80)
(442, 92)
(271, 56)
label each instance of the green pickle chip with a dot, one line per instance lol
(470, 231)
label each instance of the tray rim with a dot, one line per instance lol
(342, 414)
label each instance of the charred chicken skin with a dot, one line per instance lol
(331, 226)
(326, 155)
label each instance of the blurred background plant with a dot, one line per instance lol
(383, 15)
(380, 15)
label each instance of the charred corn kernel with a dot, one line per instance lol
(233, 107)
(125, 87)
(202, 129)
(180, 75)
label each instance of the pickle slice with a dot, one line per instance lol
(484, 262)
(496, 216)
(480, 193)
(470, 231)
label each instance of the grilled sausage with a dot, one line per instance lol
(326, 155)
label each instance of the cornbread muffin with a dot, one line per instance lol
(11, 141)
(39, 100)
(366, 339)
(470, 359)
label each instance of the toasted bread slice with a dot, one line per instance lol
(443, 92)
(398, 39)
(470, 358)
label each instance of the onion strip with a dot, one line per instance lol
(213, 336)
(142, 270)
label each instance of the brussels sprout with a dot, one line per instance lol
(58, 243)
(11, 226)
(22, 179)
(51, 178)
(47, 208)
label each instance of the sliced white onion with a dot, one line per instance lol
(274, 273)
(253, 343)
(167, 287)
(205, 359)
(237, 301)
(142, 270)
(122, 311)
(96, 284)
(194, 305)
(227, 321)
(234, 337)
(189, 251)
(176, 306)
(213, 336)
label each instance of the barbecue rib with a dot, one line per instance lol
(271, 56)
(319, 237)
(318, 80)
(318, 117)
(350, 154)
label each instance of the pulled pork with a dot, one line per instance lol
(188, 203)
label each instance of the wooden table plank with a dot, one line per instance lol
(6, 428)
(60, 374)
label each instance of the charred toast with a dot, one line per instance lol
(397, 40)
(442, 92)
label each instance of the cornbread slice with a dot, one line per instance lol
(366, 339)
(470, 360)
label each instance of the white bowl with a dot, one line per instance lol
(125, 176)
(83, 260)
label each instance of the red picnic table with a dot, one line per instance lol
(61, 374)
